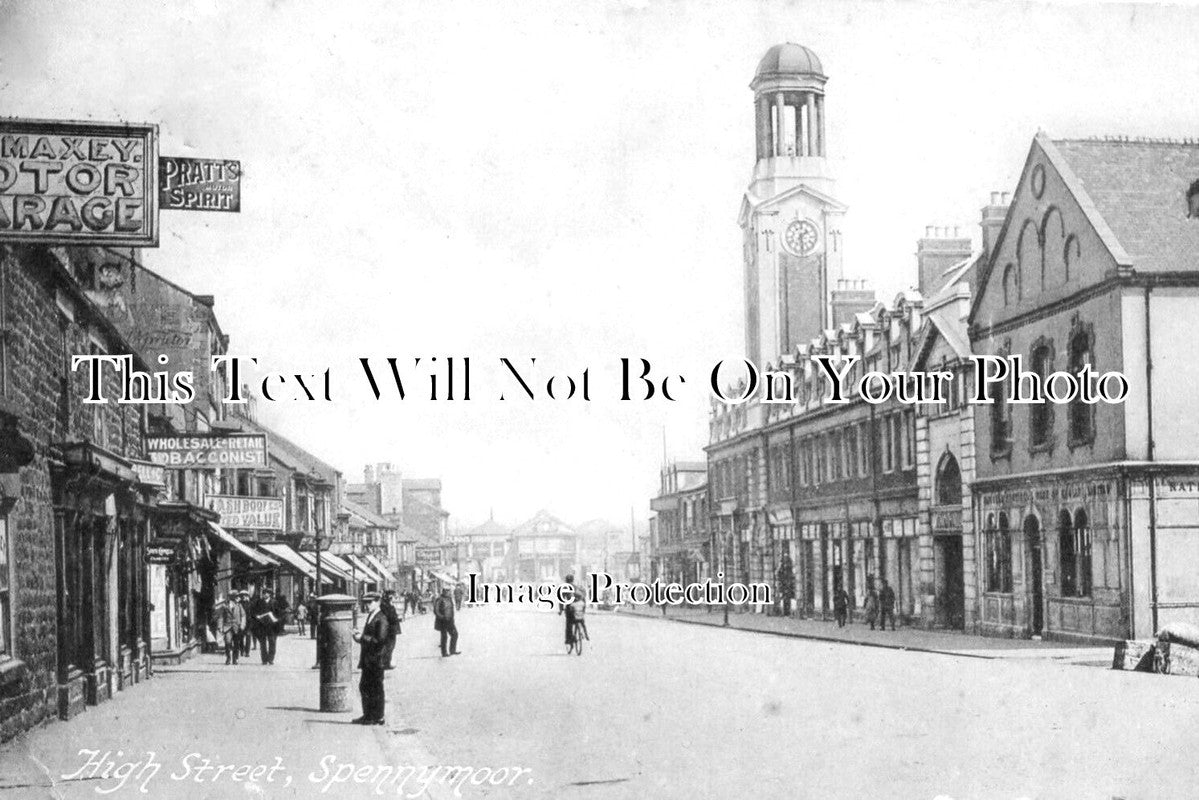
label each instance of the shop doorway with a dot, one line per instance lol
(950, 583)
(1032, 539)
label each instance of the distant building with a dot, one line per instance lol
(680, 549)
(544, 548)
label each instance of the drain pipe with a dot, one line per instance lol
(1150, 456)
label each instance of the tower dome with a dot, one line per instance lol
(789, 99)
(789, 59)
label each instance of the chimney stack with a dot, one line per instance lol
(849, 298)
(993, 216)
(940, 249)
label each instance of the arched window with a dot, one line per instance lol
(999, 554)
(1082, 415)
(1067, 555)
(1082, 535)
(949, 482)
(1040, 418)
(1011, 284)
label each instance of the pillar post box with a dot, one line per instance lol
(336, 646)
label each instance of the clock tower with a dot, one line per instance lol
(789, 217)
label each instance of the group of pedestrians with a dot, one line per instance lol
(879, 606)
(243, 621)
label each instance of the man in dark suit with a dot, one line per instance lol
(268, 618)
(393, 626)
(443, 621)
(371, 660)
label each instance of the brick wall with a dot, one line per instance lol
(49, 415)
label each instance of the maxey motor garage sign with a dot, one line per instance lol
(82, 183)
(208, 451)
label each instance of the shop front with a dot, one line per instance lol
(1054, 555)
(182, 578)
(100, 520)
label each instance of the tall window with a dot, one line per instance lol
(999, 554)
(6, 644)
(887, 442)
(863, 447)
(1067, 555)
(907, 437)
(835, 457)
(1040, 420)
(1082, 415)
(851, 451)
(1082, 535)
(1001, 420)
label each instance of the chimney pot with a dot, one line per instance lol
(995, 198)
(928, 231)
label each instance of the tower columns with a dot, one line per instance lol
(810, 147)
(780, 119)
(820, 126)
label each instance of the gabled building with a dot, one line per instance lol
(1088, 511)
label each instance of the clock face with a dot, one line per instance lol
(801, 236)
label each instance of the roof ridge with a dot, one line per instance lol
(1120, 139)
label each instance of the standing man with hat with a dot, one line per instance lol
(371, 660)
(443, 621)
(268, 616)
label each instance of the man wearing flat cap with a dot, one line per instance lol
(372, 660)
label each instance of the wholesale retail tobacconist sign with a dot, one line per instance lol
(207, 450)
(78, 183)
(249, 513)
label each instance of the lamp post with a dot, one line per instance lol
(317, 606)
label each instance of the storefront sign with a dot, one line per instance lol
(199, 184)
(1048, 494)
(248, 513)
(428, 556)
(149, 474)
(1178, 487)
(208, 450)
(947, 520)
(78, 183)
(160, 555)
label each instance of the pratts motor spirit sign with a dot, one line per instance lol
(83, 183)
(199, 184)
(208, 451)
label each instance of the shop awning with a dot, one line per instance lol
(444, 577)
(340, 563)
(380, 567)
(233, 542)
(327, 565)
(289, 557)
(365, 568)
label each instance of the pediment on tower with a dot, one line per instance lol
(751, 203)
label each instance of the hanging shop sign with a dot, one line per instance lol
(199, 184)
(78, 183)
(248, 513)
(428, 556)
(148, 473)
(208, 450)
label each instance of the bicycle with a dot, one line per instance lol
(578, 630)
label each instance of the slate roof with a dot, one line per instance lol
(1139, 187)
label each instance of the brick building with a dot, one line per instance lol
(1088, 512)
(75, 514)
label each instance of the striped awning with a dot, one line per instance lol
(289, 557)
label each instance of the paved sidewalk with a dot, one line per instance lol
(905, 638)
(248, 714)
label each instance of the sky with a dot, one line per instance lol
(558, 181)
